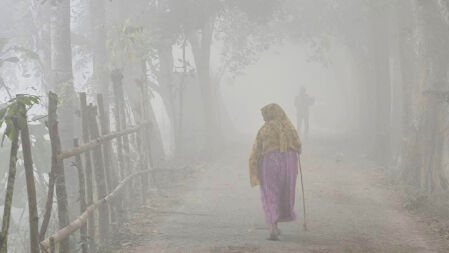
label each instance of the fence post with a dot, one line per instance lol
(116, 77)
(88, 167)
(52, 245)
(31, 186)
(100, 180)
(144, 140)
(61, 193)
(126, 145)
(82, 195)
(107, 150)
(9, 192)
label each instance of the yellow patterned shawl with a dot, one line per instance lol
(278, 133)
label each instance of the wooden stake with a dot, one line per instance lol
(61, 192)
(31, 186)
(116, 78)
(111, 179)
(88, 167)
(99, 174)
(82, 197)
(82, 219)
(9, 191)
(303, 194)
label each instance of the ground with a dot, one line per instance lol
(352, 206)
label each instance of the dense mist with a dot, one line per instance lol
(224, 126)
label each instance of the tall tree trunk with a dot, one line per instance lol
(380, 90)
(166, 86)
(61, 63)
(9, 193)
(201, 49)
(428, 140)
(157, 149)
(98, 31)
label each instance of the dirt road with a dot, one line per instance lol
(351, 208)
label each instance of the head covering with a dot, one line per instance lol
(277, 134)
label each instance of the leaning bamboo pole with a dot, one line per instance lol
(78, 222)
(99, 141)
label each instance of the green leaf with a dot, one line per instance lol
(3, 113)
(21, 122)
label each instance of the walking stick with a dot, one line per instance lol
(303, 195)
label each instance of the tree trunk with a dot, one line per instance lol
(9, 193)
(428, 138)
(61, 62)
(98, 32)
(201, 49)
(167, 87)
(380, 90)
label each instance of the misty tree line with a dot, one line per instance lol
(397, 79)
(184, 50)
(73, 46)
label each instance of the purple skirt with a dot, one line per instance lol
(277, 174)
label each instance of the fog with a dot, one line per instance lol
(277, 78)
(224, 126)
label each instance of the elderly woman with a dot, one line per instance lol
(273, 165)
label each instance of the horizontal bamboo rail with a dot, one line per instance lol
(82, 219)
(99, 141)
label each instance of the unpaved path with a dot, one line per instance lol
(351, 208)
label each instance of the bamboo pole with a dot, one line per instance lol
(97, 142)
(31, 186)
(111, 179)
(82, 219)
(9, 192)
(82, 197)
(143, 141)
(48, 204)
(88, 168)
(61, 193)
(116, 78)
(103, 217)
(126, 145)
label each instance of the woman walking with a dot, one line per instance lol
(273, 165)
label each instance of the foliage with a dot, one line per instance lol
(129, 43)
(13, 115)
(244, 36)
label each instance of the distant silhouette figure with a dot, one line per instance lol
(302, 103)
